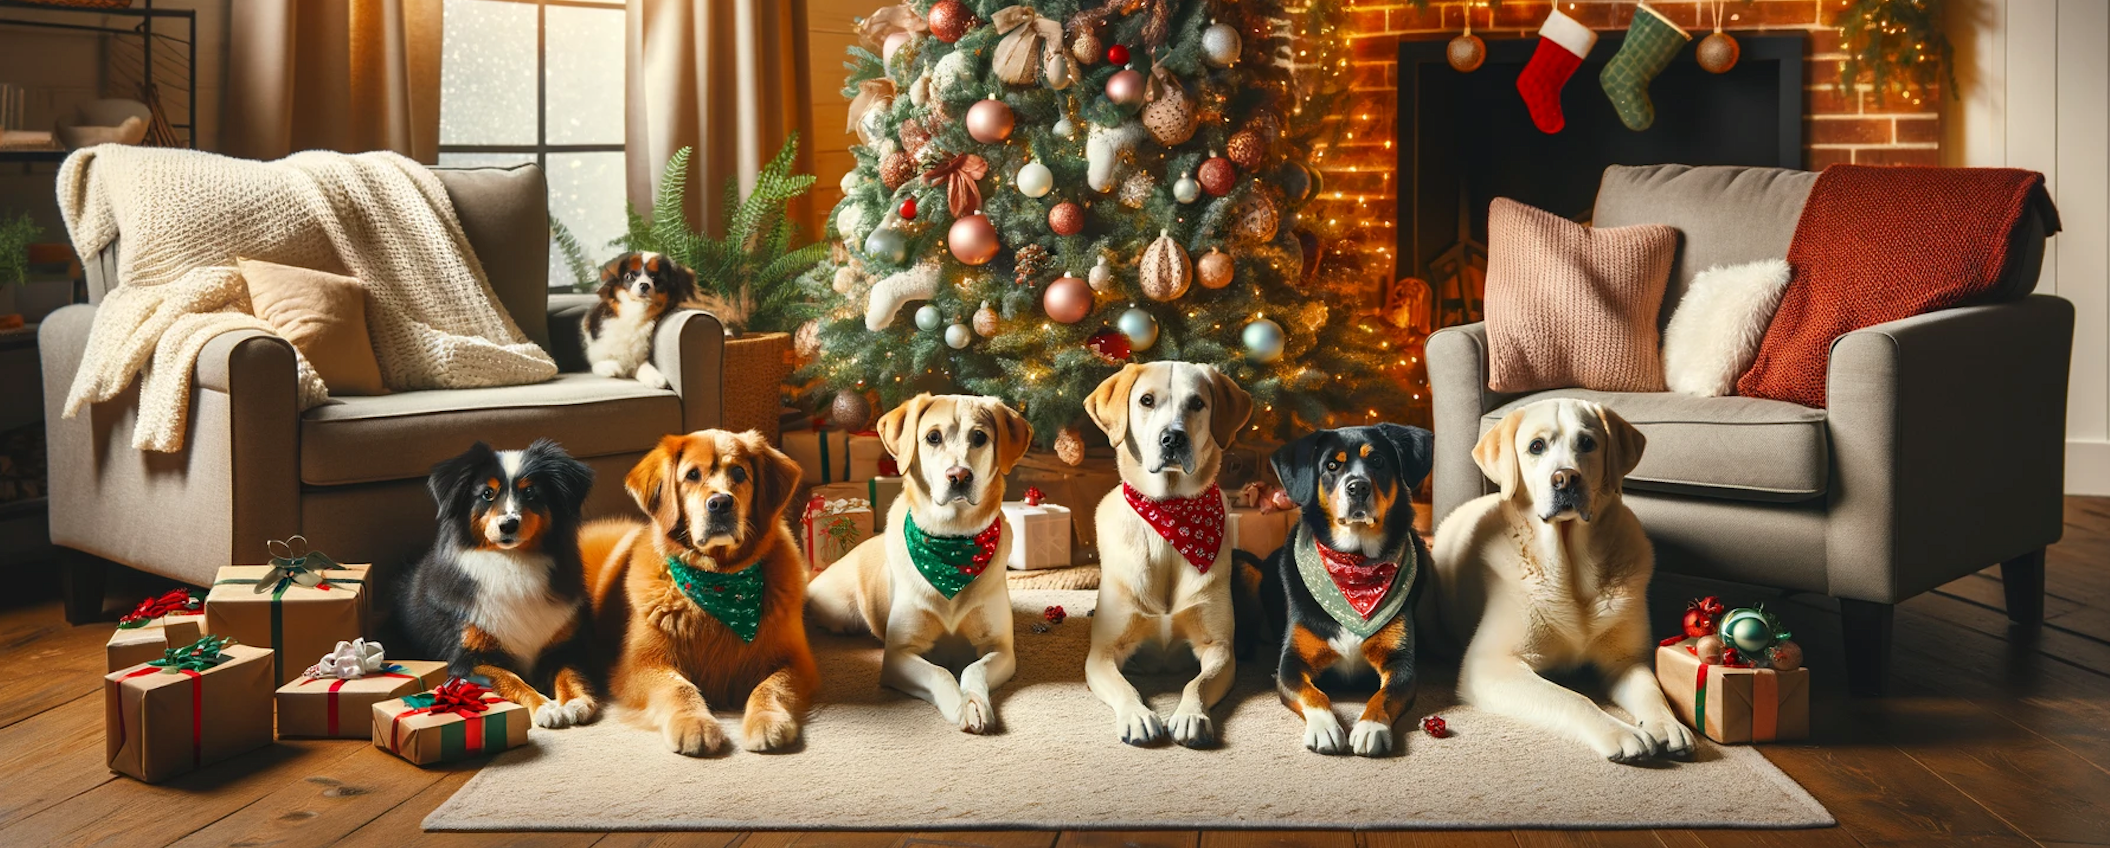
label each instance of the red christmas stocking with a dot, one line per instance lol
(1563, 42)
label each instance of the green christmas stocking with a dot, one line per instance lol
(1651, 41)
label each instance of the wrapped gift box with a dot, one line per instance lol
(1734, 704)
(1080, 487)
(173, 619)
(1040, 535)
(456, 721)
(880, 492)
(334, 699)
(1258, 532)
(831, 527)
(277, 606)
(834, 456)
(197, 705)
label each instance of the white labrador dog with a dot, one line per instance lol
(925, 601)
(1552, 573)
(1169, 423)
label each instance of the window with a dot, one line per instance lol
(541, 81)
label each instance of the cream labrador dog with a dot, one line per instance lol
(1552, 573)
(1165, 560)
(926, 586)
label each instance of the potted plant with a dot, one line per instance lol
(15, 236)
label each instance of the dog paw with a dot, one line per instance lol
(1193, 730)
(1370, 739)
(650, 376)
(1623, 743)
(693, 735)
(768, 731)
(552, 716)
(582, 710)
(1140, 727)
(976, 716)
(607, 368)
(1671, 737)
(1323, 733)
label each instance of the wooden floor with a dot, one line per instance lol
(1994, 738)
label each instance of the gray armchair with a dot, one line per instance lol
(349, 475)
(1940, 450)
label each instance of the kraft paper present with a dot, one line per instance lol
(880, 492)
(161, 722)
(301, 622)
(831, 527)
(1256, 532)
(1040, 535)
(1734, 704)
(834, 456)
(337, 708)
(425, 731)
(130, 646)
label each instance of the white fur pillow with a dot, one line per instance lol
(1715, 332)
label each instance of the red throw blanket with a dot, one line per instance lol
(1880, 244)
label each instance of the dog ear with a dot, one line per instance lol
(651, 483)
(1230, 407)
(1414, 448)
(681, 283)
(1623, 446)
(1496, 454)
(568, 480)
(897, 429)
(1107, 405)
(612, 273)
(1015, 435)
(1296, 465)
(776, 479)
(451, 478)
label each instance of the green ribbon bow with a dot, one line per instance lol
(732, 597)
(196, 656)
(291, 560)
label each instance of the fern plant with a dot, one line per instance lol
(15, 236)
(583, 276)
(749, 276)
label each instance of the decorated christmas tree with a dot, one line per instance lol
(1045, 191)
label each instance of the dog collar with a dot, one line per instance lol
(734, 598)
(1359, 593)
(1193, 526)
(950, 562)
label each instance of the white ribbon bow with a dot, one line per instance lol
(350, 661)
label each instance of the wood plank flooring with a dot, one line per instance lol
(1995, 737)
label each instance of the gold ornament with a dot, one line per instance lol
(1164, 272)
(895, 169)
(1246, 148)
(1718, 52)
(1213, 270)
(1170, 114)
(1135, 191)
(1257, 218)
(1069, 446)
(985, 321)
(914, 137)
(1466, 52)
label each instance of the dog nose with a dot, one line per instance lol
(1172, 439)
(1358, 487)
(1566, 478)
(718, 504)
(959, 475)
(509, 525)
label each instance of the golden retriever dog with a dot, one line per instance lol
(1551, 573)
(939, 598)
(1165, 558)
(704, 603)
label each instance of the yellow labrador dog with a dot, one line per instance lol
(1165, 560)
(925, 586)
(1552, 573)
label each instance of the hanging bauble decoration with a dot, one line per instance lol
(1263, 340)
(1467, 51)
(1034, 179)
(1067, 300)
(972, 239)
(1221, 44)
(1246, 148)
(887, 244)
(914, 137)
(1085, 47)
(1257, 217)
(1295, 180)
(1135, 191)
(850, 410)
(1066, 218)
(928, 317)
(850, 220)
(849, 181)
(1217, 175)
(806, 342)
(1718, 52)
(1069, 446)
(1185, 189)
(1058, 70)
(1170, 116)
(1064, 129)
(1112, 348)
(908, 209)
(1140, 328)
(1125, 87)
(1309, 252)
(985, 321)
(895, 169)
(845, 278)
(1117, 55)
(958, 336)
(1101, 276)
(1785, 656)
(989, 120)
(1164, 271)
(1213, 270)
(949, 19)
(893, 43)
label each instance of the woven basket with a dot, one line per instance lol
(756, 366)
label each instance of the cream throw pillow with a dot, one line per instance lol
(324, 316)
(1570, 306)
(1716, 331)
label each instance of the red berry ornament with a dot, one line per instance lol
(1033, 498)
(908, 209)
(1054, 614)
(1117, 55)
(1434, 726)
(1703, 616)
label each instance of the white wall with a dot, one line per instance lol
(2035, 93)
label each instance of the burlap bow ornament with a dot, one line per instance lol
(1018, 57)
(350, 661)
(874, 29)
(871, 94)
(962, 195)
(292, 560)
(196, 656)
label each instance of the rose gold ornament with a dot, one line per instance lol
(1718, 52)
(1214, 269)
(1466, 52)
(985, 321)
(972, 239)
(989, 121)
(1067, 300)
(1066, 219)
(1069, 446)
(1125, 87)
(1164, 271)
(896, 169)
(949, 20)
(914, 137)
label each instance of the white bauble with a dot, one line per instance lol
(951, 72)
(1058, 69)
(845, 278)
(1101, 277)
(849, 181)
(1065, 129)
(1221, 44)
(1263, 340)
(1035, 180)
(958, 336)
(1186, 190)
(850, 220)
(1140, 328)
(928, 317)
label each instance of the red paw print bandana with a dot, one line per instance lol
(1193, 526)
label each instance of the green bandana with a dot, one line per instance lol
(950, 562)
(734, 598)
(1312, 569)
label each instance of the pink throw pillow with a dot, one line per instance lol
(1570, 306)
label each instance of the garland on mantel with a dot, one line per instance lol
(1895, 45)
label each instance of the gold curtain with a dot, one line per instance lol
(726, 77)
(349, 75)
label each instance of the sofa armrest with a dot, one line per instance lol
(1459, 395)
(1948, 445)
(567, 342)
(689, 349)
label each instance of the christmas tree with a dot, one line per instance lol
(1044, 192)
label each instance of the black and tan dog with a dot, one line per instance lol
(1341, 592)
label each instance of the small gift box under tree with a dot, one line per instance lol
(302, 604)
(1735, 676)
(335, 697)
(169, 620)
(831, 527)
(834, 456)
(1040, 532)
(458, 720)
(1258, 522)
(197, 705)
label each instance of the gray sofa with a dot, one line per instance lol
(349, 475)
(1940, 451)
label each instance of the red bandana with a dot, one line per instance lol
(1361, 581)
(1193, 526)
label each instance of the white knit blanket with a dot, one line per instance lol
(186, 216)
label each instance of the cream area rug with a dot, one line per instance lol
(877, 759)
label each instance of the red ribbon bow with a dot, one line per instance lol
(175, 600)
(1034, 496)
(461, 697)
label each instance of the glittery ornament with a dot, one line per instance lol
(989, 120)
(985, 321)
(1718, 52)
(807, 341)
(914, 137)
(850, 411)
(1125, 87)
(972, 239)
(949, 19)
(1140, 327)
(1217, 175)
(1101, 276)
(1436, 727)
(1703, 615)
(1213, 270)
(1117, 55)
(1257, 217)
(1466, 52)
(1263, 340)
(1034, 180)
(1164, 271)
(1246, 148)
(1185, 189)
(1054, 614)
(958, 337)
(1066, 218)
(1221, 45)
(1069, 446)
(908, 209)
(1170, 115)
(928, 317)
(845, 278)
(1786, 656)
(1085, 48)
(1135, 191)
(1067, 300)
(895, 169)
(1110, 346)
